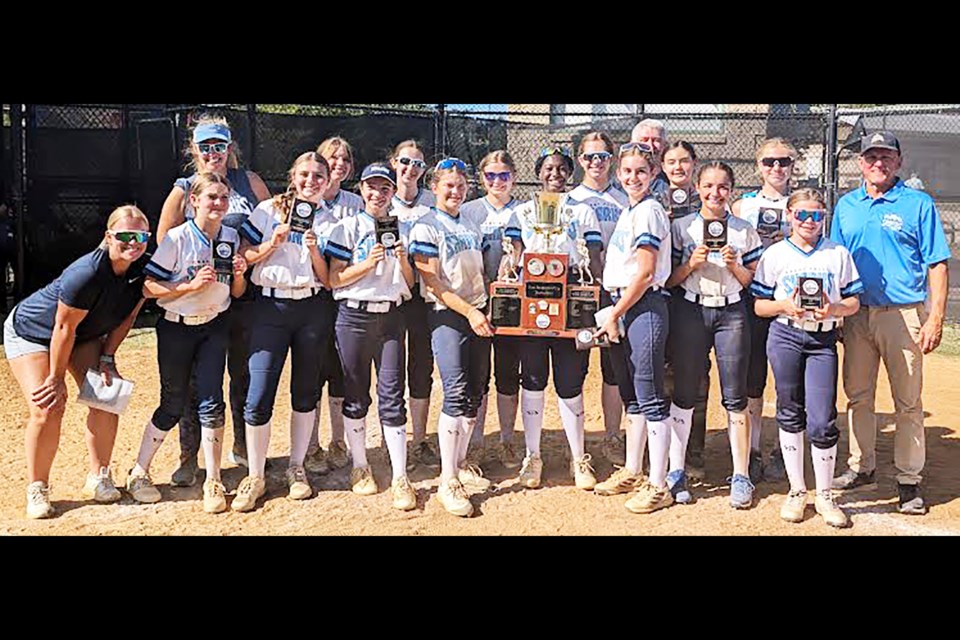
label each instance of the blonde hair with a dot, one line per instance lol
(123, 212)
(776, 142)
(331, 145)
(437, 174)
(284, 201)
(193, 154)
(496, 157)
(413, 144)
(800, 195)
(646, 155)
(594, 136)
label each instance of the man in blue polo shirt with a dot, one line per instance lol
(896, 239)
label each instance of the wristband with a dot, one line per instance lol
(107, 359)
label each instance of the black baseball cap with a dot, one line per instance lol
(879, 140)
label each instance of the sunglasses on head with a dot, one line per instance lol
(602, 156)
(452, 163)
(503, 176)
(555, 150)
(214, 147)
(803, 215)
(406, 161)
(783, 162)
(630, 146)
(128, 237)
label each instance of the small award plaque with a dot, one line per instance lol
(223, 261)
(585, 340)
(768, 222)
(388, 231)
(301, 220)
(811, 292)
(715, 234)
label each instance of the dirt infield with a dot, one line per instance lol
(557, 508)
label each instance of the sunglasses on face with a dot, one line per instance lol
(452, 163)
(783, 162)
(803, 215)
(630, 146)
(419, 164)
(601, 156)
(129, 237)
(503, 176)
(554, 151)
(216, 147)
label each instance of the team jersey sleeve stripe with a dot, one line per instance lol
(593, 237)
(250, 232)
(851, 289)
(760, 291)
(761, 287)
(647, 240)
(157, 272)
(334, 250)
(513, 233)
(424, 249)
(752, 256)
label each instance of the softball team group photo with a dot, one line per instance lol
(368, 292)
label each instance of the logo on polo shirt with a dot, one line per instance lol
(892, 221)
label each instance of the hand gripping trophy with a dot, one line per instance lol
(541, 302)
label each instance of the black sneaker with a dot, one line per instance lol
(756, 467)
(911, 500)
(851, 479)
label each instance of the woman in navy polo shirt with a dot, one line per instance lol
(76, 323)
(212, 149)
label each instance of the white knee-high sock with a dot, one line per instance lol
(356, 431)
(212, 443)
(476, 434)
(419, 411)
(149, 445)
(258, 442)
(682, 420)
(301, 427)
(659, 436)
(336, 419)
(507, 412)
(531, 413)
(791, 446)
(467, 427)
(636, 442)
(571, 416)
(612, 409)
(824, 462)
(449, 434)
(739, 441)
(396, 438)
(755, 421)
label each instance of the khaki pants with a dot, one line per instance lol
(889, 333)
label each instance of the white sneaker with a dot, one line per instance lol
(250, 490)
(793, 507)
(362, 481)
(300, 488)
(530, 471)
(214, 496)
(38, 501)
(832, 514)
(140, 486)
(454, 498)
(100, 487)
(471, 477)
(404, 496)
(583, 474)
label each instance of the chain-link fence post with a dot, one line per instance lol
(832, 155)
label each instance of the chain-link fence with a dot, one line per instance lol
(65, 167)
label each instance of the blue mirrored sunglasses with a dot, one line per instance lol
(555, 150)
(215, 147)
(503, 176)
(630, 146)
(804, 214)
(602, 156)
(451, 163)
(128, 237)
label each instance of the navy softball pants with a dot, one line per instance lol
(463, 358)
(638, 359)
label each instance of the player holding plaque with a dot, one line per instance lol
(638, 265)
(559, 235)
(764, 209)
(808, 283)
(711, 312)
(294, 312)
